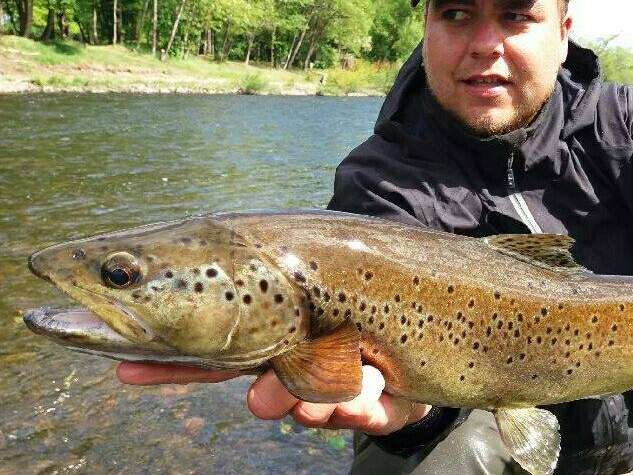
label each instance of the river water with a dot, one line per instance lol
(75, 165)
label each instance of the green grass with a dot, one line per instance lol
(73, 66)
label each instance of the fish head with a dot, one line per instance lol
(195, 286)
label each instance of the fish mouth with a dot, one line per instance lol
(79, 329)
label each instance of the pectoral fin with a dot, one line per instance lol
(531, 436)
(326, 369)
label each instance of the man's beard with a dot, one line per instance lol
(488, 126)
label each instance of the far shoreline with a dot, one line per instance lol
(30, 67)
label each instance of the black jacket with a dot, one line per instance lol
(571, 168)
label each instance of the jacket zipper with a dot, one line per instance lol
(517, 200)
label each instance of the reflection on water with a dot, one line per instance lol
(77, 165)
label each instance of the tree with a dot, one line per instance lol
(25, 12)
(165, 53)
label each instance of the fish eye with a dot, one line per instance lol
(120, 270)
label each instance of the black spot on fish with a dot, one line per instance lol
(373, 309)
(522, 356)
(517, 333)
(263, 286)
(449, 325)
(368, 275)
(509, 360)
(381, 325)
(195, 271)
(441, 338)
(397, 298)
(581, 346)
(567, 354)
(588, 336)
(229, 296)
(416, 280)
(500, 324)
(278, 298)
(561, 306)
(403, 319)
(359, 326)
(539, 340)
(534, 376)
(370, 320)
(471, 324)
(520, 317)
(611, 342)
(147, 298)
(567, 327)
(79, 254)
(252, 267)
(621, 308)
(594, 319)
(510, 325)
(198, 287)
(537, 319)
(471, 303)
(169, 274)
(450, 289)
(297, 312)
(211, 273)
(316, 291)
(494, 316)
(488, 331)
(181, 284)
(341, 297)
(326, 296)
(497, 295)
(335, 312)
(429, 318)
(543, 311)
(476, 345)
(576, 332)
(313, 265)
(386, 309)
(421, 323)
(568, 342)
(362, 307)
(471, 364)
(462, 377)
(299, 277)
(548, 330)
(348, 313)
(570, 371)
(247, 299)
(320, 311)
(614, 327)
(577, 364)
(403, 339)
(422, 363)
(239, 283)
(554, 340)
(590, 346)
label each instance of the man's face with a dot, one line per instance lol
(493, 63)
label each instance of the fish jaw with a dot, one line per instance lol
(80, 330)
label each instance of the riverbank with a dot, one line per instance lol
(30, 66)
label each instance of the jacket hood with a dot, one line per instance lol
(409, 105)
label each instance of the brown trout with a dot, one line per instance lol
(503, 323)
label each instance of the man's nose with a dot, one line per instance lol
(487, 40)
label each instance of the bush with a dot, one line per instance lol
(251, 84)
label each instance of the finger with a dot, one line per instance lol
(312, 415)
(372, 386)
(267, 398)
(147, 374)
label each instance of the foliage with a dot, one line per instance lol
(251, 84)
(617, 62)
(304, 32)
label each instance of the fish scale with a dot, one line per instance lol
(503, 323)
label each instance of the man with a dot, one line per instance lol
(483, 133)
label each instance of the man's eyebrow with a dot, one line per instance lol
(514, 4)
(438, 4)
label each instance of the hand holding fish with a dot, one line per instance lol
(372, 411)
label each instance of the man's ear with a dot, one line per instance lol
(565, 28)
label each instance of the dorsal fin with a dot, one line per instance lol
(548, 250)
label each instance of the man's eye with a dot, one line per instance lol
(455, 15)
(516, 17)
